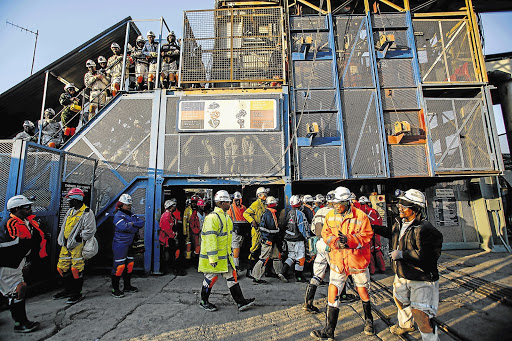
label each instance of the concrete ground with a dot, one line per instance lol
(166, 308)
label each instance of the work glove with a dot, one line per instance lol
(153, 54)
(396, 254)
(343, 238)
(340, 244)
(214, 264)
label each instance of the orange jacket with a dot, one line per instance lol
(356, 226)
(236, 213)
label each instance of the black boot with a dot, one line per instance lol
(308, 301)
(140, 86)
(165, 84)
(346, 298)
(19, 315)
(76, 289)
(115, 287)
(151, 85)
(285, 270)
(242, 303)
(299, 277)
(368, 318)
(330, 325)
(67, 281)
(205, 294)
(128, 287)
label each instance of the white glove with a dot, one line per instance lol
(396, 254)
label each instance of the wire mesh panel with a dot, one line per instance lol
(223, 45)
(106, 185)
(41, 174)
(407, 160)
(399, 38)
(172, 156)
(399, 99)
(311, 22)
(395, 73)
(256, 154)
(315, 100)
(5, 165)
(78, 170)
(444, 51)
(389, 20)
(352, 52)
(320, 162)
(327, 124)
(308, 74)
(363, 141)
(170, 119)
(459, 135)
(315, 41)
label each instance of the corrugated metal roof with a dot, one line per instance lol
(23, 101)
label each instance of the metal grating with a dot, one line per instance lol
(352, 52)
(226, 45)
(171, 157)
(78, 170)
(315, 100)
(316, 41)
(399, 99)
(81, 148)
(327, 124)
(395, 73)
(170, 119)
(362, 133)
(407, 160)
(458, 134)
(122, 130)
(257, 154)
(444, 51)
(5, 165)
(320, 163)
(107, 186)
(391, 20)
(308, 74)
(41, 173)
(308, 22)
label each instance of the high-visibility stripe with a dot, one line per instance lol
(12, 242)
(211, 253)
(210, 232)
(120, 260)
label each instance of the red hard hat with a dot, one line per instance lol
(195, 198)
(75, 191)
(200, 203)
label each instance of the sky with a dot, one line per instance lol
(64, 25)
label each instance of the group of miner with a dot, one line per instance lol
(103, 80)
(335, 231)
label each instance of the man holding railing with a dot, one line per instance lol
(150, 50)
(69, 116)
(97, 82)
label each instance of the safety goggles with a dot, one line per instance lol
(400, 205)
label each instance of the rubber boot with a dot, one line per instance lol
(285, 270)
(151, 85)
(19, 315)
(242, 303)
(115, 287)
(128, 287)
(308, 301)
(76, 295)
(368, 318)
(330, 325)
(205, 304)
(299, 277)
(165, 84)
(67, 281)
(140, 86)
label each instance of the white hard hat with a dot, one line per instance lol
(90, 63)
(115, 45)
(28, 123)
(364, 200)
(319, 198)
(221, 195)
(353, 196)
(169, 203)
(271, 200)
(171, 34)
(308, 198)
(261, 190)
(294, 200)
(140, 38)
(330, 196)
(150, 34)
(69, 86)
(102, 59)
(126, 199)
(17, 201)
(341, 194)
(414, 196)
(49, 111)
(237, 195)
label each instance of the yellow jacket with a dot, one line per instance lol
(254, 213)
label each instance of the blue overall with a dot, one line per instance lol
(126, 225)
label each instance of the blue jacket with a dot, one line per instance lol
(268, 226)
(297, 227)
(125, 227)
(148, 49)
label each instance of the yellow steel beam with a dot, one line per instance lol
(366, 7)
(390, 4)
(246, 3)
(439, 14)
(407, 5)
(316, 8)
(476, 37)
